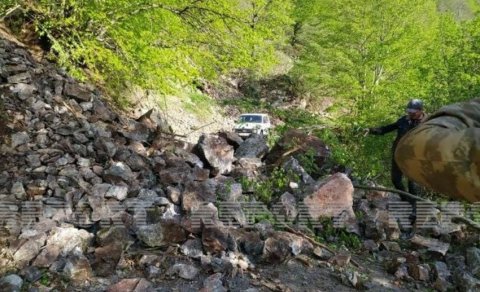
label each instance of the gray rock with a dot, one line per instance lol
(286, 206)
(86, 106)
(20, 78)
(23, 90)
(62, 241)
(176, 175)
(118, 234)
(198, 193)
(18, 191)
(118, 172)
(153, 272)
(29, 250)
(174, 194)
(34, 160)
(100, 111)
(105, 146)
(230, 191)
(132, 285)
(20, 138)
(11, 283)
(161, 234)
(192, 248)
(466, 282)
(77, 91)
(70, 171)
(283, 245)
(107, 258)
(217, 152)
(232, 138)
(118, 192)
(32, 274)
(473, 260)
(77, 268)
(99, 190)
(370, 245)
(322, 253)
(184, 271)
(441, 270)
(136, 131)
(254, 147)
(294, 166)
(249, 243)
(214, 283)
(80, 137)
(189, 157)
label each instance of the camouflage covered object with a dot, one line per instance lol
(443, 153)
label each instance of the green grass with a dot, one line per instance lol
(199, 104)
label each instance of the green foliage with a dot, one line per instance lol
(160, 44)
(45, 279)
(337, 236)
(268, 188)
(5, 6)
(307, 161)
(366, 53)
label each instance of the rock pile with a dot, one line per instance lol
(80, 184)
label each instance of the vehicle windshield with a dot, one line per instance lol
(250, 119)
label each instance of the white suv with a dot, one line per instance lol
(253, 123)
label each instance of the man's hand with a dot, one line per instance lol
(374, 131)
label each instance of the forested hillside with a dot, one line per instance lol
(364, 58)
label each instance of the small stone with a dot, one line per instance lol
(32, 274)
(20, 138)
(174, 194)
(184, 271)
(391, 246)
(419, 272)
(18, 191)
(322, 253)
(441, 270)
(442, 285)
(83, 162)
(77, 268)
(11, 283)
(370, 245)
(402, 272)
(341, 259)
(213, 284)
(118, 192)
(192, 248)
(131, 285)
(473, 260)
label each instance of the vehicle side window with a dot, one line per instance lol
(265, 120)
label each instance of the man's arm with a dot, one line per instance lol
(384, 129)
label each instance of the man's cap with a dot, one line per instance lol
(415, 105)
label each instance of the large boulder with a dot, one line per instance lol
(217, 153)
(254, 147)
(297, 143)
(330, 198)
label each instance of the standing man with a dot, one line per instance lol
(443, 153)
(415, 115)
